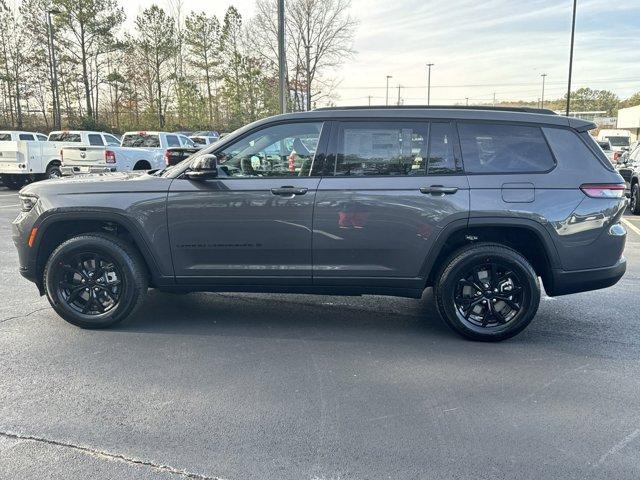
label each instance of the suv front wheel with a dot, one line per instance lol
(487, 292)
(95, 280)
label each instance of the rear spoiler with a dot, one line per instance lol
(581, 125)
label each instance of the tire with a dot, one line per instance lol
(634, 205)
(53, 171)
(505, 302)
(119, 280)
(15, 182)
(142, 165)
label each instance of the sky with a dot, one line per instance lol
(478, 47)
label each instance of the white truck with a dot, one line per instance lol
(24, 159)
(619, 139)
(137, 151)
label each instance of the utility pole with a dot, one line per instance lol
(544, 76)
(369, 100)
(282, 61)
(54, 73)
(494, 99)
(573, 32)
(467, 99)
(308, 52)
(429, 65)
(387, 100)
(399, 87)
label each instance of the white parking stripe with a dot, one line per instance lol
(8, 194)
(631, 226)
(10, 206)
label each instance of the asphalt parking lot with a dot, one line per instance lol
(247, 386)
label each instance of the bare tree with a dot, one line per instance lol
(319, 39)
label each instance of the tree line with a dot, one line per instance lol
(174, 70)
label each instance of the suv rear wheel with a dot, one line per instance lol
(487, 292)
(634, 205)
(95, 280)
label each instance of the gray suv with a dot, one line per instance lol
(477, 203)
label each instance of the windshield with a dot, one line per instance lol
(64, 137)
(141, 140)
(5, 137)
(619, 141)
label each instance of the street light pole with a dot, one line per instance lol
(544, 76)
(54, 73)
(429, 65)
(308, 52)
(387, 100)
(573, 32)
(282, 61)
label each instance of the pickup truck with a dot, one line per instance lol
(23, 161)
(16, 136)
(137, 151)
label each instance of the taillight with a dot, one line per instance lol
(109, 156)
(616, 156)
(61, 157)
(603, 190)
(167, 158)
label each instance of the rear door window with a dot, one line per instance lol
(41, 137)
(381, 148)
(95, 139)
(141, 140)
(26, 136)
(65, 137)
(504, 148)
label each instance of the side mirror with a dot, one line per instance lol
(204, 167)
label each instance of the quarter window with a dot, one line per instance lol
(280, 150)
(381, 148)
(112, 141)
(504, 148)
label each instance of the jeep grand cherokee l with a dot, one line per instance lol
(479, 204)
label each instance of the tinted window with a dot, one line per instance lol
(95, 139)
(173, 141)
(441, 159)
(26, 136)
(41, 137)
(112, 141)
(5, 137)
(503, 148)
(568, 147)
(141, 140)
(381, 148)
(199, 140)
(281, 150)
(619, 141)
(64, 137)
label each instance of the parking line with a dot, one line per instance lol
(10, 206)
(631, 226)
(9, 194)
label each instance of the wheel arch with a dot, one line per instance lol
(60, 226)
(142, 163)
(527, 237)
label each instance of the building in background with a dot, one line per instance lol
(629, 119)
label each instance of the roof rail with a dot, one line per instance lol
(544, 111)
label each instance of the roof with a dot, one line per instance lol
(524, 115)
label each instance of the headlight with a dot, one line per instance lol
(27, 202)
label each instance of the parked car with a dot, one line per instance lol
(203, 140)
(477, 203)
(605, 145)
(17, 136)
(23, 161)
(630, 171)
(175, 155)
(136, 151)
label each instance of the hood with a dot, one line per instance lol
(100, 182)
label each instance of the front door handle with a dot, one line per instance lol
(289, 191)
(438, 190)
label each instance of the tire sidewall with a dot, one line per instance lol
(51, 169)
(98, 245)
(635, 195)
(524, 272)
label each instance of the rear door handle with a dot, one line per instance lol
(438, 190)
(289, 191)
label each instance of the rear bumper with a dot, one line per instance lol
(565, 282)
(69, 171)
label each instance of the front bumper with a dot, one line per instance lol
(69, 171)
(564, 282)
